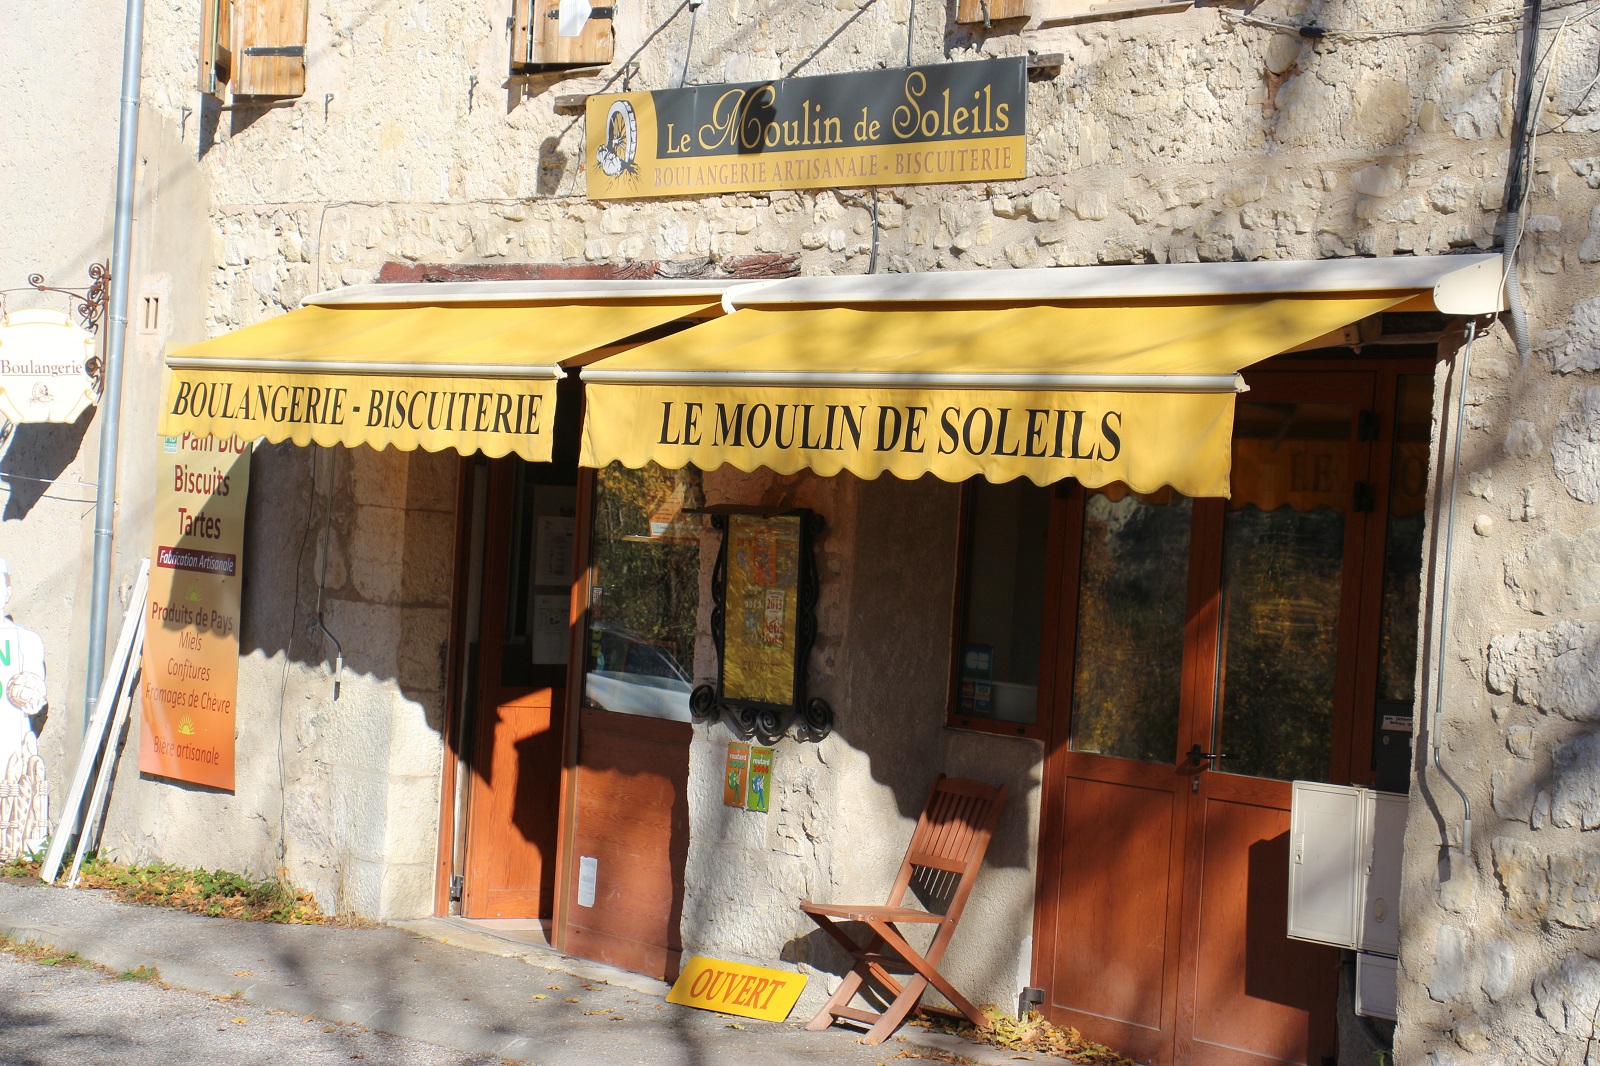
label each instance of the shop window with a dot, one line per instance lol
(537, 45)
(644, 594)
(257, 46)
(1133, 579)
(1002, 608)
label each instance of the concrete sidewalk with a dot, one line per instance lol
(519, 1001)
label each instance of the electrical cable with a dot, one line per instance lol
(688, 48)
(1518, 187)
(1492, 20)
(288, 659)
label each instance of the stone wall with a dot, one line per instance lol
(842, 810)
(1206, 134)
(338, 795)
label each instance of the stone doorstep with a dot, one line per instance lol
(413, 1025)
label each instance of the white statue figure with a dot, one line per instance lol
(24, 789)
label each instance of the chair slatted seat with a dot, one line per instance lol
(942, 863)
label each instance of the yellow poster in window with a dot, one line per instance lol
(763, 586)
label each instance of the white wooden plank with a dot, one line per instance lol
(108, 759)
(94, 736)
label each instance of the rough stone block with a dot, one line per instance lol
(1523, 877)
(1567, 996)
(1281, 52)
(374, 553)
(1378, 180)
(1515, 789)
(1044, 206)
(1556, 573)
(1523, 441)
(1577, 346)
(1575, 446)
(423, 637)
(1575, 888)
(1092, 205)
(1449, 975)
(1555, 670)
(1575, 802)
(1499, 969)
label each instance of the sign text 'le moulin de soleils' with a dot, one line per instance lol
(911, 126)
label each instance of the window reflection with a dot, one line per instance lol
(645, 599)
(1003, 602)
(1283, 554)
(1132, 592)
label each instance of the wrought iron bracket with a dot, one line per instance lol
(91, 308)
(91, 300)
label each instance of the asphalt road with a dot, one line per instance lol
(68, 1015)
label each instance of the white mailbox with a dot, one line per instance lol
(1344, 878)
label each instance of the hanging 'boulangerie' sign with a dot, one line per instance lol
(911, 126)
(189, 681)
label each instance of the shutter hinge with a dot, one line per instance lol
(594, 13)
(286, 51)
(1367, 425)
(1363, 497)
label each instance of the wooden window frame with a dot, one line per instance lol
(1039, 728)
(216, 46)
(536, 48)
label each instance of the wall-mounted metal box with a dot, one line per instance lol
(1345, 846)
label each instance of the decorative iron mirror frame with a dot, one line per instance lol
(809, 719)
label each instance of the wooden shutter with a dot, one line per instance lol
(271, 57)
(216, 45)
(992, 10)
(535, 44)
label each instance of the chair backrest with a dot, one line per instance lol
(949, 843)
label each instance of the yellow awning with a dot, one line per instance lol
(1137, 392)
(468, 377)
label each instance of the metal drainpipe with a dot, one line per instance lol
(105, 508)
(1444, 598)
(1524, 115)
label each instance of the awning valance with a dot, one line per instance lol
(1138, 391)
(472, 377)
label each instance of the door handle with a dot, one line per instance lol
(1198, 757)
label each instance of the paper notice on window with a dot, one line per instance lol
(553, 560)
(550, 629)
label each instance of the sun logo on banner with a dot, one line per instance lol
(186, 726)
(616, 156)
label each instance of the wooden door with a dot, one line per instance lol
(516, 735)
(1209, 654)
(638, 605)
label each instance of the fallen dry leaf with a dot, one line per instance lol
(597, 1012)
(242, 973)
(241, 1021)
(573, 999)
(540, 995)
(733, 1025)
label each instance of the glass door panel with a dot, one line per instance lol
(1282, 582)
(1133, 587)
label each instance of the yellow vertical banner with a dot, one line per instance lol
(190, 677)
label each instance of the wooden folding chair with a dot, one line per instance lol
(941, 864)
